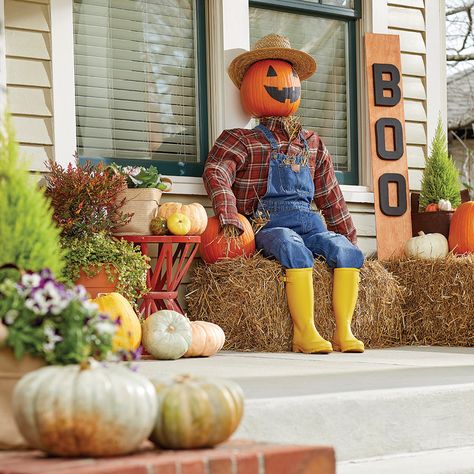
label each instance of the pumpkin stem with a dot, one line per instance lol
(183, 378)
(171, 328)
(84, 365)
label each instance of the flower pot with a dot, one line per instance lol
(431, 222)
(99, 283)
(11, 370)
(143, 204)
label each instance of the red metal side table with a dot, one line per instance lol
(169, 270)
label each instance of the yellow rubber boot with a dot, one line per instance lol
(300, 294)
(344, 299)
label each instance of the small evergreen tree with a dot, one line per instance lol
(440, 176)
(28, 236)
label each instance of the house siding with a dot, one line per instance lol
(28, 77)
(407, 19)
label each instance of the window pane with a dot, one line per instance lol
(324, 101)
(135, 68)
(338, 3)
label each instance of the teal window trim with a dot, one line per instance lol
(350, 17)
(170, 167)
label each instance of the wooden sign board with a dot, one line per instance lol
(388, 144)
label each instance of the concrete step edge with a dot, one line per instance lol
(366, 424)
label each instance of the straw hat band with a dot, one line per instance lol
(272, 47)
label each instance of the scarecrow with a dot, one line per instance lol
(272, 174)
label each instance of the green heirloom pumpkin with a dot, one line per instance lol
(94, 411)
(196, 413)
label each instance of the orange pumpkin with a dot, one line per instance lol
(207, 339)
(433, 207)
(461, 231)
(270, 88)
(215, 246)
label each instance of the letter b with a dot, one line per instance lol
(380, 85)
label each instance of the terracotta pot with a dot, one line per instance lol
(431, 222)
(11, 370)
(99, 283)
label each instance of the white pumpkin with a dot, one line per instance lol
(445, 205)
(427, 246)
(85, 411)
(167, 334)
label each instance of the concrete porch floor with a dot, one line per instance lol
(379, 405)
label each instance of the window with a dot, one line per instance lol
(326, 30)
(140, 83)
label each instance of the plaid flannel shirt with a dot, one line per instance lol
(236, 172)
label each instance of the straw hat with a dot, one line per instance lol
(272, 46)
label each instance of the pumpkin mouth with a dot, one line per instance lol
(291, 93)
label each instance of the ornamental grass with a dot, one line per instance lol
(247, 298)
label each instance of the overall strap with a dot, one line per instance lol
(303, 140)
(268, 135)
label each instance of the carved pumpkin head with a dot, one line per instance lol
(271, 88)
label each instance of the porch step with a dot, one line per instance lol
(440, 461)
(377, 404)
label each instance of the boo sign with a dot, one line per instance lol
(387, 144)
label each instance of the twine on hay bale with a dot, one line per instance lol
(247, 298)
(439, 302)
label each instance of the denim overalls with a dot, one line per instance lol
(295, 232)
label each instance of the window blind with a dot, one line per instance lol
(136, 76)
(324, 102)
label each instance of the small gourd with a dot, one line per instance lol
(129, 332)
(196, 413)
(427, 246)
(445, 205)
(88, 410)
(432, 207)
(196, 212)
(167, 334)
(207, 339)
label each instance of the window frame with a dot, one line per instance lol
(174, 168)
(350, 16)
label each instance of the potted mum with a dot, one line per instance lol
(142, 197)
(43, 321)
(86, 207)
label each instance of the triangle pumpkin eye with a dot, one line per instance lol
(271, 72)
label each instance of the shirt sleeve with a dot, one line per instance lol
(226, 157)
(328, 195)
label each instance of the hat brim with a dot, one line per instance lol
(304, 64)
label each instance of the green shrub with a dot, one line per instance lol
(440, 176)
(28, 237)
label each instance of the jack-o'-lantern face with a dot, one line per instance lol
(270, 87)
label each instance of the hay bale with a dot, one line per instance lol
(439, 301)
(247, 298)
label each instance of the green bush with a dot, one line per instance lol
(29, 239)
(440, 176)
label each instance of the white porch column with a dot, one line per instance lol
(228, 22)
(63, 92)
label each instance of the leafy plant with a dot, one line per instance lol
(440, 176)
(90, 253)
(84, 198)
(29, 239)
(139, 176)
(48, 320)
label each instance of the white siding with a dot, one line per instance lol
(407, 19)
(28, 67)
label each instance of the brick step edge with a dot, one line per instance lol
(235, 457)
